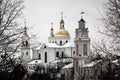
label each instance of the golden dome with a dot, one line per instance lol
(62, 21)
(25, 34)
(62, 32)
(51, 36)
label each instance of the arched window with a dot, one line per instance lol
(26, 53)
(44, 46)
(73, 52)
(39, 56)
(45, 57)
(60, 42)
(85, 49)
(26, 43)
(62, 54)
(66, 41)
(77, 49)
(57, 54)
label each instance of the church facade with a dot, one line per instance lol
(59, 46)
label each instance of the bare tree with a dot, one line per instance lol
(111, 30)
(111, 21)
(10, 30)
(10, 12)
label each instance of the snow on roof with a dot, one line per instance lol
(69, 44)
(63, 60)
(53, 45)
(115, 61)
(90, 64)
(68, 66)
(35, 62)
(85, 65)
(39, 47)
(31, 70)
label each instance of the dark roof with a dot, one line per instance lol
(82, 20)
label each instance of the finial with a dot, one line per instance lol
(82, 14)
(61, 15)
(51, 25)
(25, 23)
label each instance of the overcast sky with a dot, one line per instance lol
(40, 13)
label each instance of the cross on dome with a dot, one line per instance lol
(51, 25)
(82, 14)
(61, 15)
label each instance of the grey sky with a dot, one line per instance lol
(40, 13)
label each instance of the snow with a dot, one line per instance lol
(85, 65)
(90, 64)
(68, 66)
(115, 61)
(53, 45)
(63, 60)
(69, 44)
(35, 62)
(39, 47)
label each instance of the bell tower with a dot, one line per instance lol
(25, 46)
(82, 46)
(82, 42)
(51, 37)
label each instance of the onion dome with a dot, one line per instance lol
(62, 21)
(25, 35)
(62, 31)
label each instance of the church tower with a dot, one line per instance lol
(25, 46)
(51, 37)
(82, 46)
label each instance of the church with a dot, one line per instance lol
(59, 47)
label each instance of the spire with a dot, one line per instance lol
(51, 26)
(82, 13)
(51, 31)
(61, 15)
(25, 30)
(81, 22)
(62, 21)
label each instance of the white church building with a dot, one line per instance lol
(59, 46)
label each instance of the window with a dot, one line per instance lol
(66, 41)
(26, 43)
(57, 54)
(44, 46)
(39, 56)
(77, 49)
(60, 42)
(26, 53)
(85, 49)
(22, 53)
(73, 52)
(62, 54)
(45, 57)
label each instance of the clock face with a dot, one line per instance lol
(85, 36)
